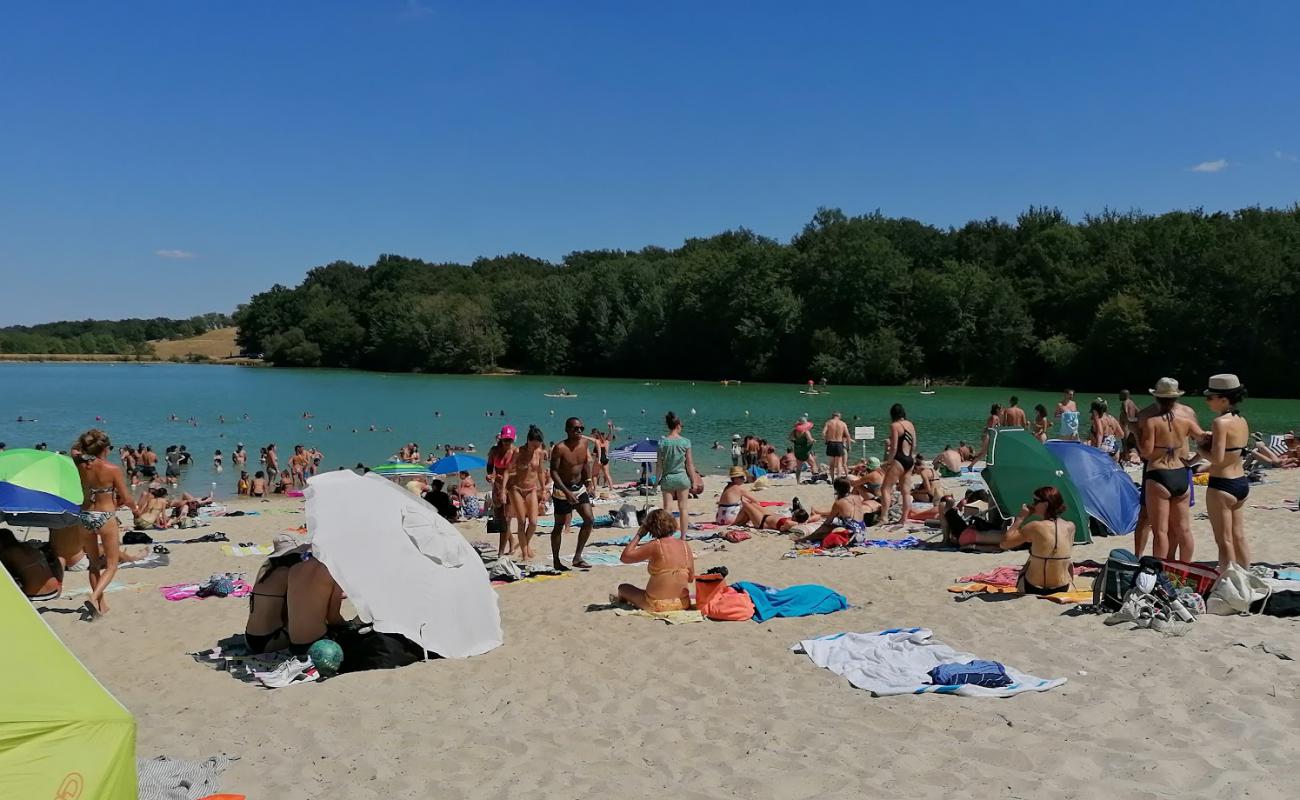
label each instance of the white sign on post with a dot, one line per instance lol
(863, 432)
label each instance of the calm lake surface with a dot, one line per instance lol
(136, 401)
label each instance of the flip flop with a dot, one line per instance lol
(580, 564)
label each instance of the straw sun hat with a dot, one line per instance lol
(1166, 388)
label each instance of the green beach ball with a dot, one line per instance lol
(326, 655)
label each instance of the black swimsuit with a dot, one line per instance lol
(1238, 487)
(905, 459)
(1029, 588)
(1176, 480)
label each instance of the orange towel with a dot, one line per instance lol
(991, 588)
(1065, 598)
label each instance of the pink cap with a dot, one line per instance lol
(507, 432)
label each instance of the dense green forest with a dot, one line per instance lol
(117, 337)
(1117, 299)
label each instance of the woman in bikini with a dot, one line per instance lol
(523, 487)
(671, 566)
(1228, 487)
(901, 452)
(1041, 422)
(501, 458)
(872, 481)
(104, 488)
(1049, 569)
(1167, 480)
(267, 628)
(849, 511)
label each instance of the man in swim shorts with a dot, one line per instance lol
(1068, 414)
(836, 435)
(570, 474)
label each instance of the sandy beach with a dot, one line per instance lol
(581, 703)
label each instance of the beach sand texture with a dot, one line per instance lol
(585, 703)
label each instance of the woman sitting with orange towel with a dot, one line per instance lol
(671, 566)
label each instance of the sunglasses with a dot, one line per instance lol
(577, 427)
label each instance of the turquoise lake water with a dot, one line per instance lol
(136, 401)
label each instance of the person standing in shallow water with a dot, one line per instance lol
(571, 471)
(1068, 415)
(677, 475)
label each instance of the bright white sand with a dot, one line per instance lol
(589, 704)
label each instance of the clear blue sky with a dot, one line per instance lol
(170, 158)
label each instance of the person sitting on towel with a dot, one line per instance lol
(33, 566)
(1050, 568)
(671, 566)
(849, 511)
(294, 600)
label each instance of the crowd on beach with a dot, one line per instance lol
(530, 478)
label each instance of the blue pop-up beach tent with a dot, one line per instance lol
(1108, 493)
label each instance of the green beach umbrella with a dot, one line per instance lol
(41, 471)
(397, 469)
(1018, 464)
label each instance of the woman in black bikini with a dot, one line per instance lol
(1167, 479)
(901, 454)
(1049, 569)
(1228, 486)
(267, 628)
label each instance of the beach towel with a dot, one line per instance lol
(978, 587)
(803, 600)
(899, 661)
(243, 551)
(150, 561)
(671, 617)
(837, 552)
(184, 591)
(1066, 598)
(598, 560)
(906, 543)
(165, 778)
(115, 586)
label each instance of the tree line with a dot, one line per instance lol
(1116, 299)
(110, 337)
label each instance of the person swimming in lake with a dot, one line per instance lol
(671, 565)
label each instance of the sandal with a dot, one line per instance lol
(160, 550)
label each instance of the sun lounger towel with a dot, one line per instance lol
(671, 617)
(899, 660)
(165, 778)
(242, 551)
(803, 600)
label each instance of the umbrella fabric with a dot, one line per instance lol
(412, 573)
(1018, 464)
(645, 451)
(28, 507)
(457, 462)
(1108, 493)
(43, 471)
(399, 468)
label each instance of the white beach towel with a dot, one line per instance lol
(899, 660)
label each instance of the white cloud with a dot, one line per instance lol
(1280, 156)
(175, 254)
(1210, 166)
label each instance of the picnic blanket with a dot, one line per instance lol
(898, 661)
(803, 600)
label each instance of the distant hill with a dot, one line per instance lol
(217, 345)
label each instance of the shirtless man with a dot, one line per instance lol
(148, 466)
(836, 435)
(1013, 416)
(1068, 414)
(949, 462)
(1128, 419)
(571, 471)
(272, 461)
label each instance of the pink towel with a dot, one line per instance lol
(184, 591)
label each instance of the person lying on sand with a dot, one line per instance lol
(671, 565)
(32, 565)
(294, 601)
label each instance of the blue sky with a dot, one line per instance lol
(173, 158)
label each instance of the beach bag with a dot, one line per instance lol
(625, 517)
(1238, 591)
(1185, 575)
(1114, 580)
(505, 569)
(729, 605)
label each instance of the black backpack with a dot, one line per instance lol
(1115, 579)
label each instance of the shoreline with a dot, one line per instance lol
(117, 358)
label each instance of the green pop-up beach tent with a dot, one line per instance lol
(1017, 465)
(62, 735)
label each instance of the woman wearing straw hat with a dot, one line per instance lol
(1167, 480)
(1228, 486)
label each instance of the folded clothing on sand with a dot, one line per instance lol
(795, 601)
(899, 661)
(165, 778)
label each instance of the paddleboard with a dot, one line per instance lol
(560, 395)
